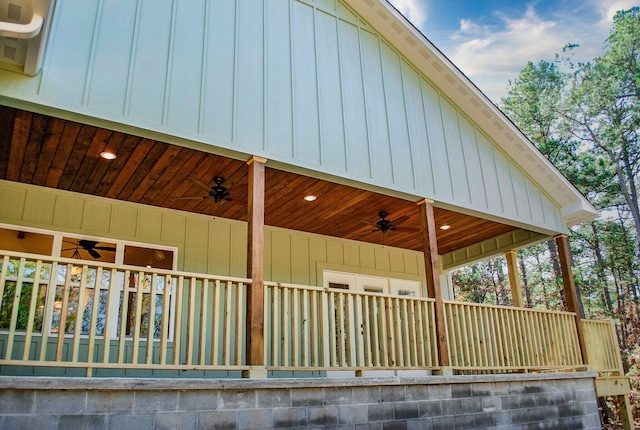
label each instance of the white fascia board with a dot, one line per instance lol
(476, 105)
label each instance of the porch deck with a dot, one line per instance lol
(59, 312)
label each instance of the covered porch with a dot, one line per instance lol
(231, 305)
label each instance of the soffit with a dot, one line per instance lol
(57, 153)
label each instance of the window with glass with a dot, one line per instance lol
(80, 278)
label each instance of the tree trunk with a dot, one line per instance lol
(606, 295)
(525, 281)
(557, 272)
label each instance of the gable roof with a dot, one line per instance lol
(415, 46)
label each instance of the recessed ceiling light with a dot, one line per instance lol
(445, 227)
(108, 155)
(310, 198)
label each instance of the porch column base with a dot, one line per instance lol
(255, 372)
(444, 371)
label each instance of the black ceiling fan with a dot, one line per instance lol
(384, 225)
(91, 246)
(218, 192)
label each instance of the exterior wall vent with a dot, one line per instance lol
(24, 27)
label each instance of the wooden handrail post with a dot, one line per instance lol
(432, 271)
(255, 270)
(514, 279)
(571, 293)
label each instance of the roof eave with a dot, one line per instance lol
(476, 105)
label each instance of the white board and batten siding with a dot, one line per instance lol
(302, 82)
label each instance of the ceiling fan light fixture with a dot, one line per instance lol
(310, 197)
(108, 155)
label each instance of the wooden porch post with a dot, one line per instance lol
(514, 279)
(432, 272)
(571, 294)
(255, 269)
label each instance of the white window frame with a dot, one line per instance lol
(56, 252)
(372, 284)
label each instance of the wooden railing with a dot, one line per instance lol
(331, 329)
(602, 347)
(497, 338)
(66, 313)
(59, 312)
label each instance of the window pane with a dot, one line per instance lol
(22, 241)
(148, 257)
(88, 249)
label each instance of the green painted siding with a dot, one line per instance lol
(301, 82)
(205, 244)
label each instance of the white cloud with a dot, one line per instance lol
(492, 55)
(609, 8)
(482, 49)
(414, 10)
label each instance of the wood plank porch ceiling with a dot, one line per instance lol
(41, 150)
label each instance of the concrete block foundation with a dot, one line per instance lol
(532, 401)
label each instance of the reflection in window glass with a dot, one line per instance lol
(409, 293)
(88, 249)
(23, 241)
(148, 257)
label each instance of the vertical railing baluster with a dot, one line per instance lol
(305, 328)
(77, 331)
(399, 332)
(204, 310)
(47, 314)
(275, 326)
(191, 320)
(240, 321)
(93, 321)
(124, 317)
(217, 327)
(315, 324)
(152, 317)
(366, 330)
(177, 330)
(227, 322)
(326, 336)
(66, 290)
(32, 310)
(137, 318)
(108, 317)
(295, 327)
(15, 310)
(3, 276)
(164, 334)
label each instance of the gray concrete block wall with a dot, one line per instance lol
(565, 401)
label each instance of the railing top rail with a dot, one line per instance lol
(123, 267)
(607, 321)
(512, 308)
(343, 291)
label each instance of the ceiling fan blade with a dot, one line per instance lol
(106, 248)
(372, 224)
(92, 252)
(87, 244)
(201, 184)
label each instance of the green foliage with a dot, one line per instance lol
(585, 118)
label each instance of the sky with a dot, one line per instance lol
(492, 40)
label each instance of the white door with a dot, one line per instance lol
(379, 285)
